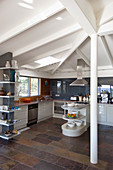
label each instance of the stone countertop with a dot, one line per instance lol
(106, 103)
(32, 102)
(73, 101)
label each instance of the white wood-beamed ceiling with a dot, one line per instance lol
(36, 33)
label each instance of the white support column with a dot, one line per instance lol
(93, 108)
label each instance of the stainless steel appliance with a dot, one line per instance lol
(74, 98)
(32, 114)
(104, 97)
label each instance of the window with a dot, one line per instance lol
(29, 86)
(58, 87)
(64, 87)
(34, 86)
(24, 86)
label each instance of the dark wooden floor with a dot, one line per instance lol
(43, 147)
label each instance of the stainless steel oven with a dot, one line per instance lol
(32, 114)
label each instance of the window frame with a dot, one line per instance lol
(29, 86)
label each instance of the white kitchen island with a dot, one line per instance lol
(78, 124)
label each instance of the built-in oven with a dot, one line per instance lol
(32, 114)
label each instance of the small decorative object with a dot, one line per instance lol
(27, 100)
(46, 83)
(6, 77)
(14, 63)
(9, 94)
(17, 76)
(12, 76)
(2, 93)
(7, 64)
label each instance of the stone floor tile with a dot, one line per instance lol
(68, 164)
(26, 142)
(26, 159)
(42, 140)
(43, 165)
(22, 167)
(8, 151)
(47, 156)
(27, 149)
(6, 163)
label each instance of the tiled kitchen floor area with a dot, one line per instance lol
(43, 147)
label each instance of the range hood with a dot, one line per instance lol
(79, 81)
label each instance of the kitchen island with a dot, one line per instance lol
(77, 116)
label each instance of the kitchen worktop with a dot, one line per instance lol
(73, 101)
(32, 102)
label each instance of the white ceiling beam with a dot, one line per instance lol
(105, 15)
(49, 53)
(78, 41)
(57, 7)
(83, 13)
(106, 29)
(82, 55)
(65, 32)
(48, 67)
(108, 52)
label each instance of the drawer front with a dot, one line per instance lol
(21, 124)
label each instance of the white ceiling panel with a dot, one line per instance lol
(12, 15)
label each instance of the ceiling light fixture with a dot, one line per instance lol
(25, 5)
(59, 18)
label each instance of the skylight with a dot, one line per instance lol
(47, 60)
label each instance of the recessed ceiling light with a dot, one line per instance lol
(59, 18)
(47, 60)
(28, 1)
(25, 5)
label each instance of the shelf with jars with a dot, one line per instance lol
(7, 95)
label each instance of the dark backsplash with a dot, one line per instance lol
(70, 90)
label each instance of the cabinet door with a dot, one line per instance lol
(109, 114)
(45, 109)
(101, 113)
(21, 115)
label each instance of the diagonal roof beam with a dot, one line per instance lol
(57, 7)
(106, 29)
(84, 16)
(78, 41)
(108, 52)
(82, 55)
(44, 41)
(105, 15)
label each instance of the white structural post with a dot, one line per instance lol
(93, 108)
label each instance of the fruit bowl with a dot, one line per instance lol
(71, 116)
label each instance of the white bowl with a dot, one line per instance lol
(71, 104)
(71, 124)
(78, 123)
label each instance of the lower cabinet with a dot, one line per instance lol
(45, 110)
(110, 114)
(105, 114)
(101, 113)
(21, 115)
